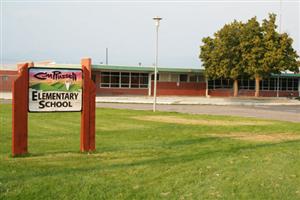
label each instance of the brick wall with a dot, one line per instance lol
(220, 93)
(250, 93)
(184, 89)
(6, 79)
(281, 93)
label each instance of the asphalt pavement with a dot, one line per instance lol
(289, 113)
(265, 108)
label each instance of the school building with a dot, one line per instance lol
(138, 80)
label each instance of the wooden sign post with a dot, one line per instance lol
(20, 109)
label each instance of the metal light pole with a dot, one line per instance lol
(157, 20)
(106, 56)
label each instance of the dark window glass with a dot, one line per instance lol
(183, 77)
(4, 78)
(290, 84)
(272, 84)
(251, 84)
(201, 78)
(105, 73)
(265, 84)
(143, 80)
(245, 83)
(193, 78)
(218, 83)
(134, 80)
(115, 79)
(125, 79)
(105, 79)
(296, 84)
(210, 84)
(226, 83)
(157, 77)
(283, 84)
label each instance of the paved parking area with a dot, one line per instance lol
(264, 108)
(274, 112)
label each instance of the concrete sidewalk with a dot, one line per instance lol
(186, 100)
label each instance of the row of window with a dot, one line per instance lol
(290, 84)
(136, 80)
(190, 78)
(141, 80)
(220, 83)
(124, 80)
(4, 78)
(285, 84)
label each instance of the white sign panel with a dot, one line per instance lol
(55, 89)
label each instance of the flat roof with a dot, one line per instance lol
(286, 75)
(133, 68)
(145, 69)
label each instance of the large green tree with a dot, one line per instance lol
(248, 49)
(266, 51)
(221, 55)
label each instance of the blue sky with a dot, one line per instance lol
(66, 31)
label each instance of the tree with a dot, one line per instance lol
(248, 49)
(266, 51)
(221, 55)
(252, 46)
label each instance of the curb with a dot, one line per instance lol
(203, 103)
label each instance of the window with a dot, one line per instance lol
(273, 84)
(183, 77)
(193, 78)
(269, 84)
(296, 84)
(124, 80)
(217, 83)
(251, 84)
(226, 83)
(285, 84)
(265, 84)
(115, 79)
(220, 84)
(144, 80)
(196, 78)
(246, 84)
(290, 84)
(105, 79)
(157, 77)
(211, 84)
(4, 78)
(135, 80)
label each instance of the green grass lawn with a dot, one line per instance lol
(142, 155)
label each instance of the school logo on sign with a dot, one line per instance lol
(55, 89)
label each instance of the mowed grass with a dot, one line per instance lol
(142, 155)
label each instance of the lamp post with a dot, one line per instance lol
(157, 20)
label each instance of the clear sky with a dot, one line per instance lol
(66, 31)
